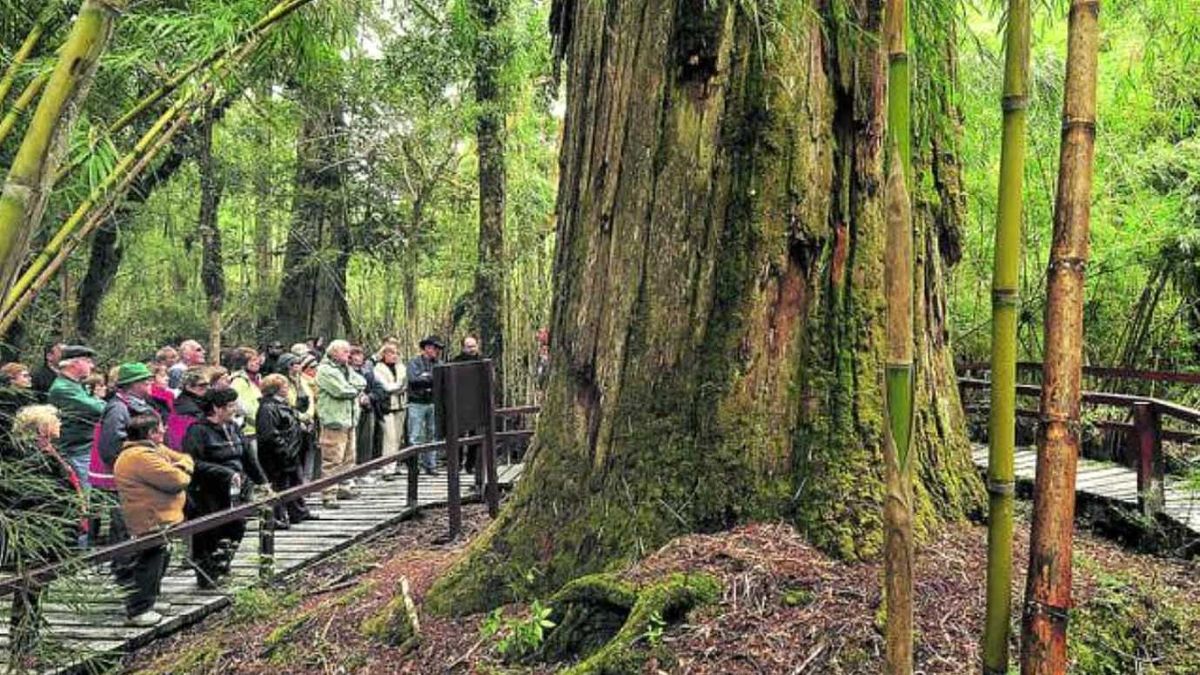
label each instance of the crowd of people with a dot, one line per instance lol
(150, 444)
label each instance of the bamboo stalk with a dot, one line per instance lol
(1048, 586)
(33, 271)
(94, 221)
(25, 191)
(118, 172)
(26, 49)
(251, 36)
(1005, 280)
(899, 374)
(21, 105)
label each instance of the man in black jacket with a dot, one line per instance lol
(45, 374)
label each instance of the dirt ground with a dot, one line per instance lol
(785, 608)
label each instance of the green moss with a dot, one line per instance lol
(199, 659)
(797, 597)
(1133, 625)
(667, 601)
(286, 631)
(396, 624)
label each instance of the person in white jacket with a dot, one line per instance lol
(391, 378)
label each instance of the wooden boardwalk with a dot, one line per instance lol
(91, 625)
(1109, 481)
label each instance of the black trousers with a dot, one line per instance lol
(286, 479)
(147, 572)
(213, 551)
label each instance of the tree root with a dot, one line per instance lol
(611, 625)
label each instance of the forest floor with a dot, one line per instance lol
(785, 608)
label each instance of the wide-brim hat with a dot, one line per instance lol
(431, 340)
(130, 373)
(77, 352)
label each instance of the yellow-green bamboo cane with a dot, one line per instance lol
(26, 187)
(188, 101)
(114, 176)
(898, 283)
(26, 50)
(254, 34)
(93, 221)
(26, 99)
(1002, 421)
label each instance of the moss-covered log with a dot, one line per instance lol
(718, 320)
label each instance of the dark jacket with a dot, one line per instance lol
(79, 411)
(464, 357)
(219, 452)
(279, 435)
(115, 423)
(420, 379)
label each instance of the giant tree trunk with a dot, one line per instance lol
(212, 271)
(490, 277)
(719, 317)
(312, 295)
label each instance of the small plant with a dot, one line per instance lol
(654, 631)
(518, 637)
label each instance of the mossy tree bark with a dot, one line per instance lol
(719, 314)
(490, 277)
(212, 269)
(313, 291)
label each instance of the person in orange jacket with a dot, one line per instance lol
(152, 482)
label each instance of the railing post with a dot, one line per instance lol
(487, 453)
(1148, 432)
(453, 488)
(24, 623)
(266, 542)
(412, 468)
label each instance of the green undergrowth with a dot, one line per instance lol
(1133, 624)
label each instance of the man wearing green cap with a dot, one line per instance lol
(133, 392)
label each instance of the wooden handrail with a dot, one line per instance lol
(48, 573)
(1183, 413)
(1101, 371)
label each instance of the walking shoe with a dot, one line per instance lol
(365, 480)
(347, 493)
(330, 502)
(145, 619)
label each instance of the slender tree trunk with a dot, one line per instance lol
(719, 311)
(27, 187)
(490, 276)
(1005, 302)
(106, 253)
(1048, 587)
(898, 371)
(212, 270)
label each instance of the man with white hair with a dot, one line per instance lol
(339, 396)
(80, 410)
(190, 354)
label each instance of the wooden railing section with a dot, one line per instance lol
(1144, 433)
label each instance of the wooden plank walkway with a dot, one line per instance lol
(91, 624)
(1108, 481)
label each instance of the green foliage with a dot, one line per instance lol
(517, 637)
(1144, 214)
(1132, 625)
